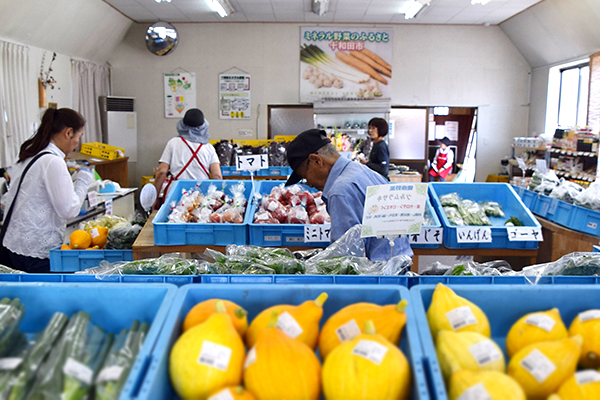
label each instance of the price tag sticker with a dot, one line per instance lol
(108, 207)
(9, 363)
(93, 198)
(538, 365)
(112, 373)
(370, 350)
(524, 233)
(587, 376)
(348, 331)
(472, 234)
(77, 370)
(317, 233)
(521, 163)
(475, 392)
(541, 166)
(461, 317)
(427, 236)
(224, 394)
(252, 162)
(289, 325)
(485, 352)
(214, 355)
(541, 321)
(589, 315)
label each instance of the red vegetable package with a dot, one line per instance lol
(297, 215)
(320, 217)
(264, 217)
(277, 210)
(233, 216)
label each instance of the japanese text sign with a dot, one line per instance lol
(427, 236)
(473, 234)
(524, 233)
(317, 233)
(394, 209)
(252, 162)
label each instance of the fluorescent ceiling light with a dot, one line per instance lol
(441, 110)
(158, 1)
(482, 2)
(221, 7)
(320, 7)
(411, 9)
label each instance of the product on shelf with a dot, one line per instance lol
(108, 231)
(292, 205)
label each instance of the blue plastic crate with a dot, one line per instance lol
(436, 224)
(528, 197)
(275, 235)
(308, 279)
(168, 234)
(596, 249)
(503, 306)
(585, 220)
(275, 171)
(42, 300)
(554, 210)
(255, 298)
(499, 192)
(232, 171)
(78, 260)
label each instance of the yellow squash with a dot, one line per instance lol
(345, 324)
(587, 324)
(298, 322)
(368, 367)
(232, 393)
(533, 328)
(207, 357)
(201, 311)
(281, 368)
(582, 385)
(541, 368)
(451, 312)
(492, 385)
(467, 350)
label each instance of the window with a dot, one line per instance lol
(573, 96)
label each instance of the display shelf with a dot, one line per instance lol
(584, 176)
(573, 153)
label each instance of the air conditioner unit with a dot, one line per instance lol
(118, 120)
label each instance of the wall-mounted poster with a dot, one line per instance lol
(234, 96)
(180, 93)
(345, 63)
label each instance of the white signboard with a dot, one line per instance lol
(252, 162)
(524, 233)
(180, 94)
(317, 233)
(451, 130)
(394, 209)
(473, 234)
(541, 166)
(234, 96)
(92, 198)
(427, 236)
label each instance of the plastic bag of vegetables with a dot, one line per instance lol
(493, 209)
(123, 237)
(453, 216)
(473, 214)
(566, 191)
(450, 200)
(578, 263)
(167, 264)
(590, 197)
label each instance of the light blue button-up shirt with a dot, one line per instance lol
(344, 193)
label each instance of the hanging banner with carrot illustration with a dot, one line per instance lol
(345, 63)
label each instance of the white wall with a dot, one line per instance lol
(433, 65)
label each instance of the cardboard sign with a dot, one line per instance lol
(252, 162)
(474, 234)
(524, 234)
(427, 236)
(394, 209)
(317, 233)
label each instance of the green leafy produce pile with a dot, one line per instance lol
(69, 360)
(467, 212)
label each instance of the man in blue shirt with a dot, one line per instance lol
(344, 184)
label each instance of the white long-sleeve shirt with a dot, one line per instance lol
(449, 161)
(47, 198)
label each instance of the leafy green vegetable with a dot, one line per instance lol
(513, 221)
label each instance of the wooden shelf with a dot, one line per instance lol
(572, 153)
(530, 148)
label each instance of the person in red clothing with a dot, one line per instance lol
(442, 162)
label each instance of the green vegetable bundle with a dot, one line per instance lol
(118, 362)
(493, 209)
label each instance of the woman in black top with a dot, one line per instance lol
(379, 158)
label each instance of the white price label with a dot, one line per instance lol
(589, 315)
(108, 207)
(541, 166)
(214, 355)
(521, 163)
(348, 331)
(93, 198)
(289, 325)
(250, 358)
(473, 235)
(10, 363)
(77, 370)
(224, 394)
(587, 376)
(112, 373)
(541, 321)
(370, 350)
(524, 234)
(317, 233)
(461, 317)
(475, 392)
(485, 352)
(592, 225)
(94, 233)
(538, 365)
(427, 236)
(252, 162)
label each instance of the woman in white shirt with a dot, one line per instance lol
(48, 195)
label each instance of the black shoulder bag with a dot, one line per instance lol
(4, 252)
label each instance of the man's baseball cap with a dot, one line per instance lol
(305, 144)
(193, 118)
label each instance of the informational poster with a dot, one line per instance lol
(342, 63)
(394, 209)
(180, 93)
(234, 96)
(452, 130)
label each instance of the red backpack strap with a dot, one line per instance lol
(194, 155)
